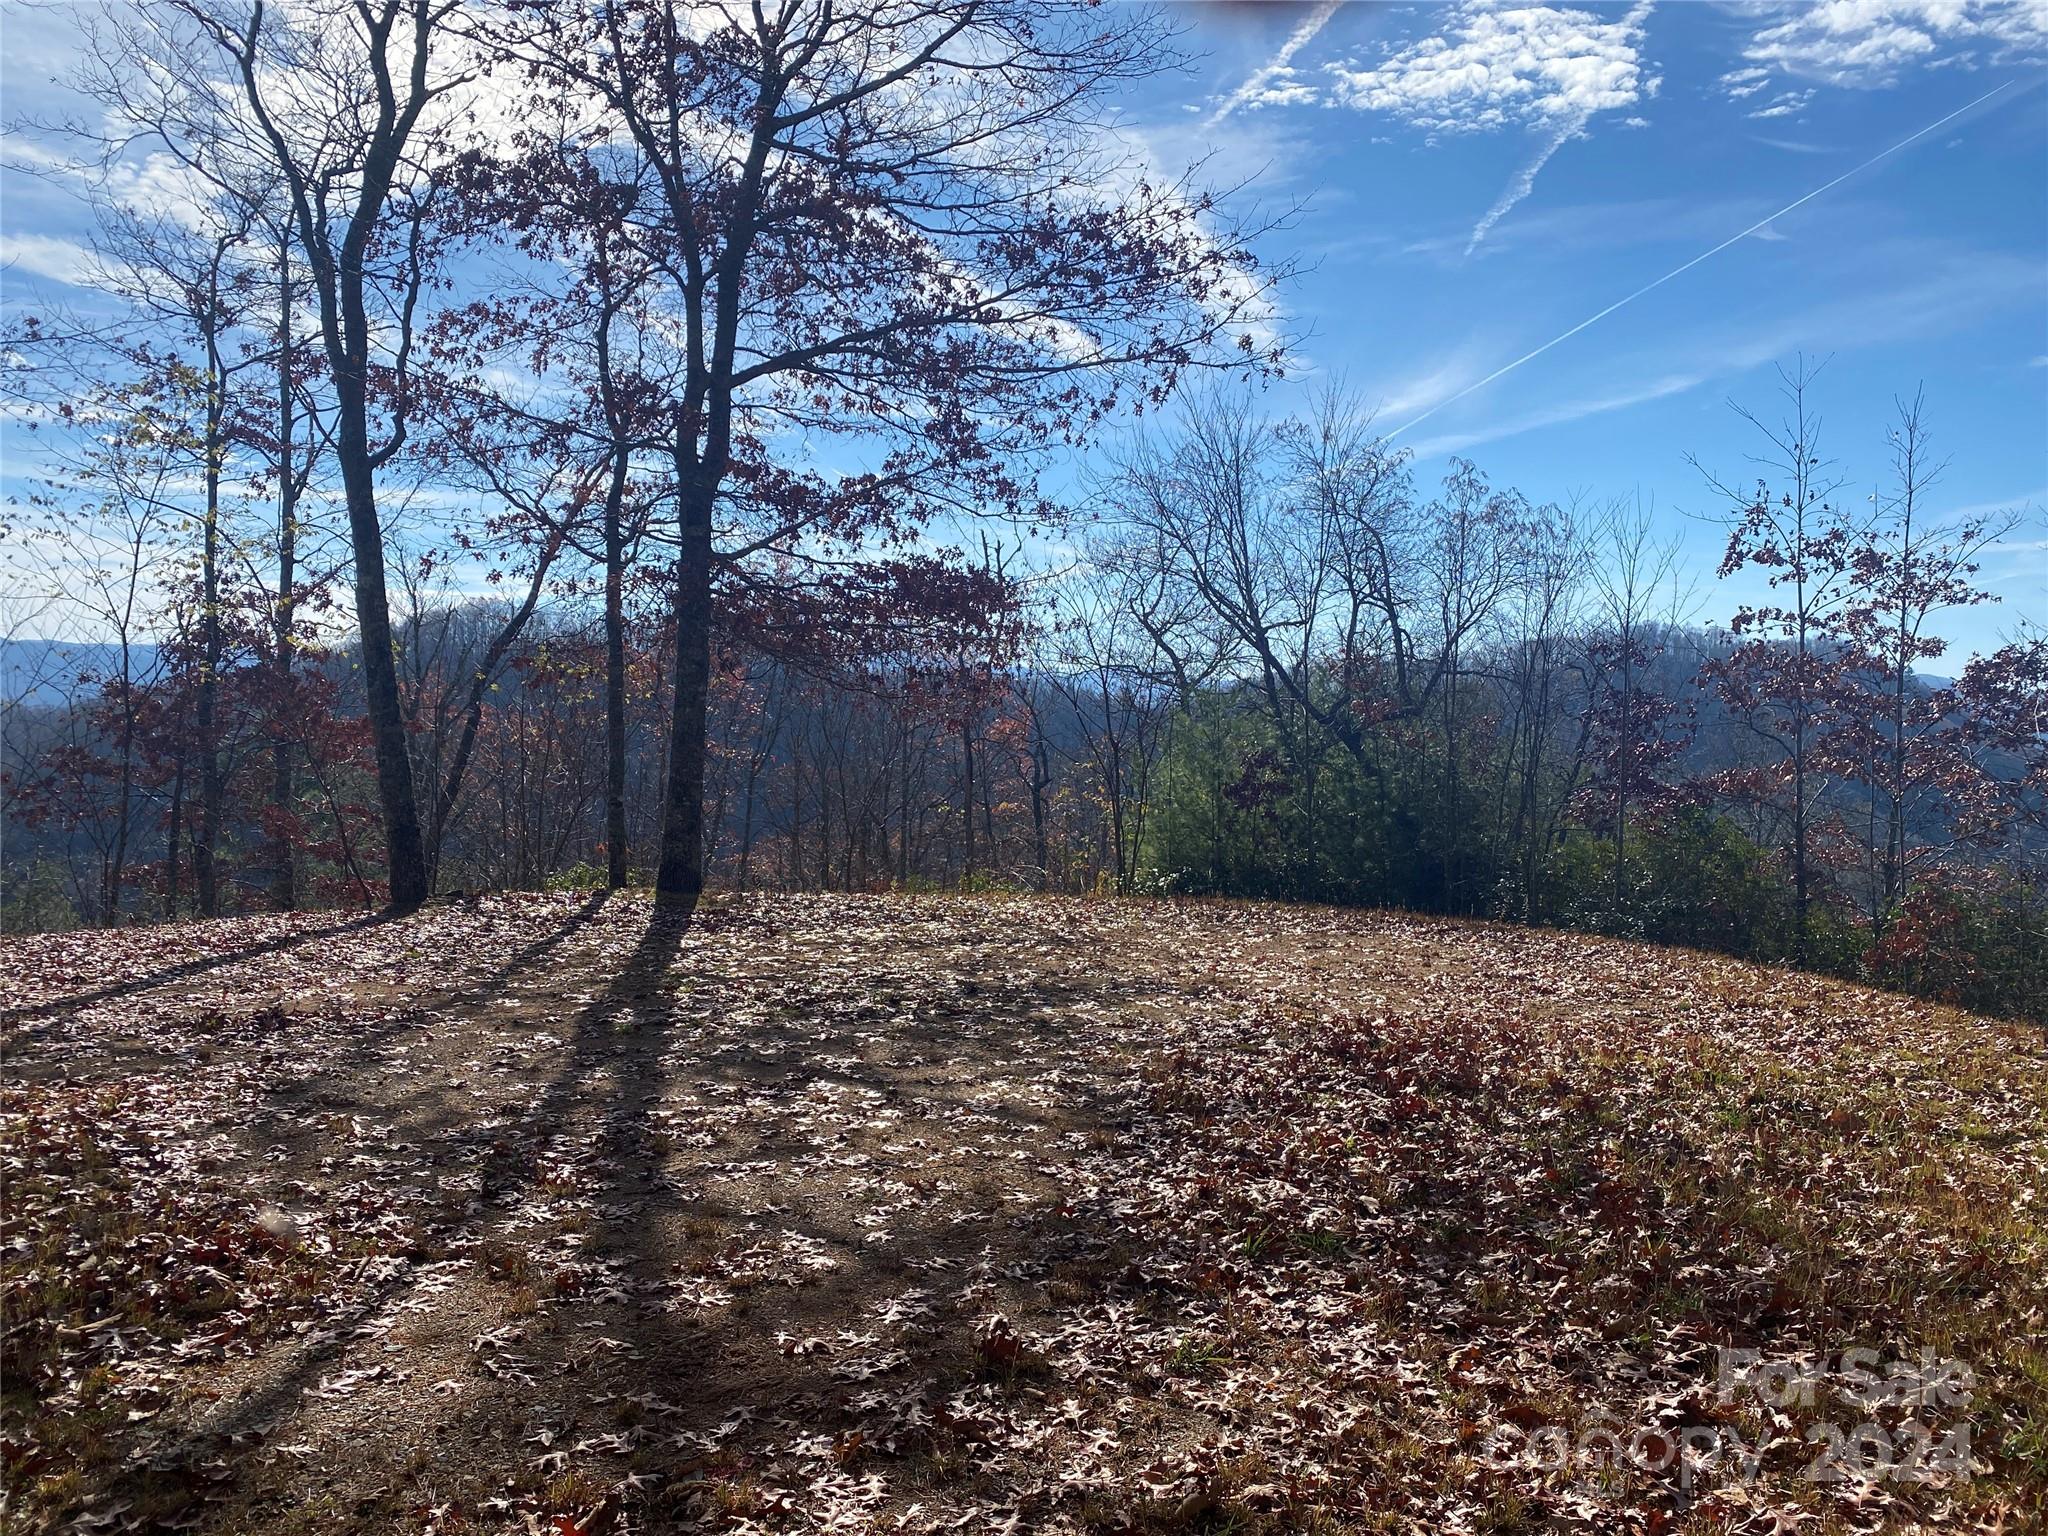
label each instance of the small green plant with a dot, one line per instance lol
(36, 903)
(1197, 1355)
(577, 877)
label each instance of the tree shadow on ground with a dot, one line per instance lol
(184, 970)
(664, 1076)
(183, 1475)
(778, 1356)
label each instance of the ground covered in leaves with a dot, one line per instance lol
(850, 1214)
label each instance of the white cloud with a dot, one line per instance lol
(65, 261)
(1522, 184)
(1577, 66)
(1491, 68)
(1707, 255)
(1785, 104)
(1431, 386)
(1547, 67)
(1559, 414)
(1275, 83)
(1798, 146)
(1944, 291)
(1873, 42)
(1488, 66)
(1745, 82)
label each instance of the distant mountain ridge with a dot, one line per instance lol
(46, 672)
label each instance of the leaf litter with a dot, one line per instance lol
(841, 1214)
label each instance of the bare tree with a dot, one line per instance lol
(1782, 676)
(342, 99)
(1637, 604)
(1102, 662)
(1910, 566)
(903, 222)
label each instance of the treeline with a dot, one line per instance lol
(1281, 669)
(544, 444)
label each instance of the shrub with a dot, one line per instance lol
(577, 877)
(36, 903)
(1984, 948)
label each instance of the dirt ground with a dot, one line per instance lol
(937, 1214)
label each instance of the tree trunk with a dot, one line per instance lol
(615, 678)
(173, 835)
(111, 897)
(449, 790)
(204, 878)
(404, 849)
(967, 801)
(614, 613)
(1041, 781)
(283, 884)
(679, 878)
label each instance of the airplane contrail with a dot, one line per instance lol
(1524, 181)
(1255, 82)
(1507, 368)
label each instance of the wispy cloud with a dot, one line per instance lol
(1613, 47)
(1558, 415)
(2020, 503)
(1549, 68)
(1486, 67)
(1940, 293)
(1739, 83)
(1785, 104)
(51, 256)
(1795, 146)
(1431, 386)
(1259, 86)
(1686, 266)
(1873, 42)
(1521, 186)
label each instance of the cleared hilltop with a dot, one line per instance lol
(844, 1212)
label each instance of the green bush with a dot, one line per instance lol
(36, 902)
(1984, 948)
(1695, 880)
(577, 877)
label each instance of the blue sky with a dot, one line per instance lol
(1474, 181)
(1654, 134)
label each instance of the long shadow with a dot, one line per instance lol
(701, 1362)
(364, 1043)
(617, 1072)
(601, 1037)
(490, 986)
(625, 1019)
(637, 987)
(169, 1473)
(185, 969)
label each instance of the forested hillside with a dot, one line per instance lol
(1337, 690)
